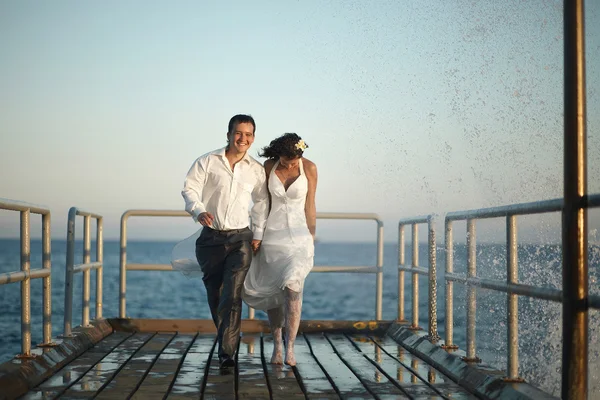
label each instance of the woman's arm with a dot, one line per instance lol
(268, 167)
(310, 208)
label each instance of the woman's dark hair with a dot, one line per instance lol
(288, 145)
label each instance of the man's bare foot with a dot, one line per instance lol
(290, 359)
(277, 357)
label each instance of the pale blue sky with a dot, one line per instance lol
(409, 108)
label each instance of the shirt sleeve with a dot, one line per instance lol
(260, 209)
(192, 190)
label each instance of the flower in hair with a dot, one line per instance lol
(301, 145)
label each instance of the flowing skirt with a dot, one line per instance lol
(280, 263)
(183, 257)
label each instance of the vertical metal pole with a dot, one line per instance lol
(449, 247)
(401, 273)
(433, 332)
(123, 266)
(574, 216)
(25, 286)
(100, 270)
(379, 281)
(471, 291)
(68, 317)
(85, 308)
(415, 276)
(512, 306)
(47, 283)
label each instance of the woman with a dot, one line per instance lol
(276, 276)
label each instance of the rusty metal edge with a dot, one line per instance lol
(480, 379)
(248, 326)
(18, 377)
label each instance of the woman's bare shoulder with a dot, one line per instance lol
(269, 163)
(309, 166)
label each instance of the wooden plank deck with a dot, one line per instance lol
(335, 361)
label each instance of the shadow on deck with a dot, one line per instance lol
(176, 359)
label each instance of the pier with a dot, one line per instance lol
(121, 358)
(176, 359)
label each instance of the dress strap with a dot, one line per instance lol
(274, 168)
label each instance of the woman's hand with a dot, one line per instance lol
(255, 245)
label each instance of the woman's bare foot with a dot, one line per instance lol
(277, 357)
(290, 359)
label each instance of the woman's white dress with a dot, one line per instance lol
(286, 255)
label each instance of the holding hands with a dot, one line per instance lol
(255, 245)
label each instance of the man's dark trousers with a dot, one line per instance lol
(225, 257)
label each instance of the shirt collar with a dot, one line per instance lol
(221, 153)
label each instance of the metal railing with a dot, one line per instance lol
(125, 266)
(511, 286)
(415, 270)
(85, 267)
(26, 273)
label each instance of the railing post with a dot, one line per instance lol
(99, 270)
(123, 265)
(47, 283)
(415, 277)
(68, 317)
(25, 286)
(512, 306)
(85, 306)
(433, 332)
(574, 215)
(449, 249)
(379, 273)
(471, 291)
(401, 272)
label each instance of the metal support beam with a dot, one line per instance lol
(574, 215)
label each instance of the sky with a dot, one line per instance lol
(409, 108)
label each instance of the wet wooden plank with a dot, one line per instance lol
(313, 378)
(248, 326)
(344, 380)
(182, 325)
(251, 380)
(77, 368)
(126, 381)
(282, 379)
(17, 377)
(188, 382)
(102, 372)
(217, 384)
(370, 376)
(404, 377)
(162, 374)
(419, 371)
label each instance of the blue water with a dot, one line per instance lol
(327, 296)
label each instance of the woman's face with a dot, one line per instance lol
(288, 162)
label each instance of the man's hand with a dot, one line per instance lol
(255, 245)
(206, 219)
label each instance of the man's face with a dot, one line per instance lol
(242, 137)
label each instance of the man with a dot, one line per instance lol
(217, 191)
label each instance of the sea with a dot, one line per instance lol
(330, 296)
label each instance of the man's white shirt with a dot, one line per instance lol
(211, 186)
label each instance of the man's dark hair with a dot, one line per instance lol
(283, 146)
(240, 119)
